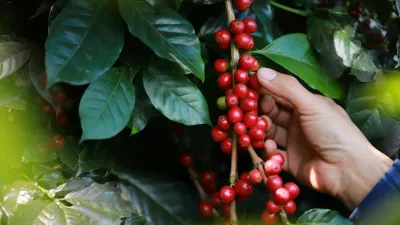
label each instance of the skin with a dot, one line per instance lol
(324, 149)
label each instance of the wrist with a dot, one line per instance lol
(362, 174)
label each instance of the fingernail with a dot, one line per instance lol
(267, 74)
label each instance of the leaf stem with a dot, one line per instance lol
(290, 9)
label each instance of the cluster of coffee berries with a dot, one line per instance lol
(242, 30)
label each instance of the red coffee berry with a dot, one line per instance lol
(253, 94)
(255, 66)
(249, 104)
(60, 97)
(241, 76)
(231, 100)
(244, 41)
(256, 134)
(246, 61)
(239, 128)
(250, 25)
(243, 4)
(223, 123)
(272, 167)
(269, 219)
(227, 194)
(226, 146)
(207, 177)
(255, 176)
(240, 91)
(226, 208)
(58, 141)
(245, 176)
(254, 83)
(277, 157)
(293, 189)
(221, 65)
(290, 207)
(244, 140)
(223, 46)
(281, 196)
(272, 207)
(235, 115)
(250, 120)
(236, 26)
(242, 148)
(257, 144)
(210, 188)
(224, 81)
(43, 79)
(262, 123)
(243, 188)
(62, 120)
(186, 159)
(222, 36)
(273, 183)
(215, 199)
(206, 208)
(218, 135)
(229, 92)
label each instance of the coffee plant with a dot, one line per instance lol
(142, 112)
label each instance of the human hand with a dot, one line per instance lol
(324, 149)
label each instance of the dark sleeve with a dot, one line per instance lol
(383, 196)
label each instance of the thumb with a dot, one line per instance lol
(286, 87)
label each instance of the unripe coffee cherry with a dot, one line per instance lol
(250, 26)
(235, 115)
(227, 194)
(240, 90)
(236, 26)
(206, 208)
(254, 83)
(217, 134)
(255, 176)
(290, 207)
(207, 177)
(250, 120)
(243, 4)
(223, 123)
(262, 123)
(249, 104)
(272, 167)
(246, 61)
(273, 183)
(221, 103)
(257, 134)
(243, 188)
(239, 128)
(241, 76)
(226, 146)
(244, 41)
(269, 219)
(245, 176)
(281, 196)
(186, 159)
(257, 144)
(272, 207)
(221, 65)
(225, 81)
(231, 100)
(277, 157)
(293, 189)
(222, 36)
(244, 140)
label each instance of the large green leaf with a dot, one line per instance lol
(168, 34)
(265, 15)
(174, 95)
(107, 105)
(16, 194)
(69, 154)
(85, 40)
(93, 158)
(13, 56)
(294, 53)
(171, 202)
(322, 217)
(136, 220)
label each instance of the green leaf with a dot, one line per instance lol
(294, 53)
(69, 154)
(86, 39)
(321, 217)
(13, 56)
(107, 105)
(398, 5)
(175, 96)
(265, 15)
(168, 34)
(352, 55)
(171, 202)
(28, 214)
(94, 158)
(398, 52)
(136, 220)
(39, 150)
(47, 177)
(16, 194)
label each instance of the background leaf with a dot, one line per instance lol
(294, 53)
(13, 56)
(321, 217)
(86, 39)
(39, 149)
(107, 105)
(174, 95)
(168, 34)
